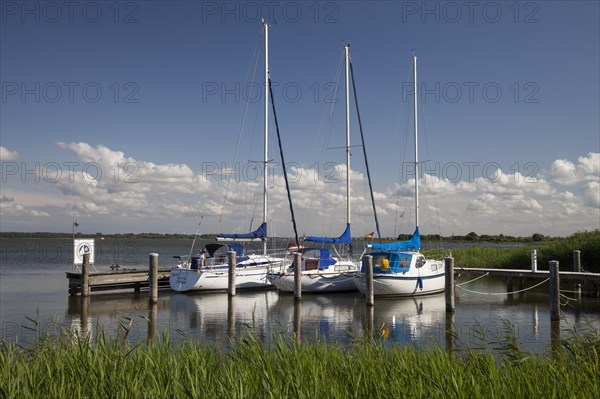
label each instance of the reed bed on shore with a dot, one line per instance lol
(520, 257)
(77, 366)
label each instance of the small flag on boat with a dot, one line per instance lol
(370, 235)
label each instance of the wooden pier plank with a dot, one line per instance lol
(116, 279)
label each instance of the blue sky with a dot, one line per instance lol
(119, 113)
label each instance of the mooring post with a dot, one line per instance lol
(153, 276)
(449, 266)
(554, 291)
(85, 275)
(231, 317)
(555, 346)
(450, 334)
(85, 312)
(534, 261)
(370, 322)
(232, 271)
(577, 268)
(297, 276)
(369, 294)
(509, 285)
(152, 316)
(298, 321)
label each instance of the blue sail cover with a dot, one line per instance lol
(414, 244)
(345, 238)
(261, 232)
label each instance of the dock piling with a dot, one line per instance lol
(370, 296)
(231, 317)
(232, 271)
(554, 291)
(298, 321)
(297, 276)
(577, 268)
(449, 269)
(85, 275)
(152, 316)
(153, 277)
(510, 287)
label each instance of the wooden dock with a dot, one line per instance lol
(135, 279)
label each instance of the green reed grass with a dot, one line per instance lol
(69, 365)
(520, 257)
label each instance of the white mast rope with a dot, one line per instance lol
(501, 293)
(470, 281)
(567, 298)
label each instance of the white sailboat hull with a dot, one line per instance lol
(318, 282)
(216, 278)
(338, 277)
(404, 284)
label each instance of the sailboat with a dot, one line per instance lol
(321, 272)
(399, 269)
(209, 271)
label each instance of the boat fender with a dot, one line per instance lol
(385, 264)
(420, 283)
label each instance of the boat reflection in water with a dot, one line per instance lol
(340, 318)
(414, 320)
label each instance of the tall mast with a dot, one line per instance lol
(416, 145)
(347, 49)
(266, 133)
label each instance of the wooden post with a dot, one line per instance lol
(85, 312)
(297, 276)
(152, 316)
(509, 285)
(85, 275)
(577, 268)
(371, 322)
(450, 333)
(555, 338)
(449, 266)
(369, 294)
(231, 317)
(153, 277)
(554, 291)
(298, 321)
(232, 270)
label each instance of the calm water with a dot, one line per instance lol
(33, 285)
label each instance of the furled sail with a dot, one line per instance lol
(413, 244)
(257, 234)
(345, 238)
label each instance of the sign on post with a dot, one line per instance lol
(81, 247)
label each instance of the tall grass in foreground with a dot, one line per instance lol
(513, 258)
(77, 367)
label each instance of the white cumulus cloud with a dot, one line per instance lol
(565, 172)
(7, 155)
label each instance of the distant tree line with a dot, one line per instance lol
(472, 236)
(155, 236)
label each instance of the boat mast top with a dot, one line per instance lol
(347, 53)
(266, 132)
(416, 144)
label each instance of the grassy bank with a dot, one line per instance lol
(513, 258)
(107, 368)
